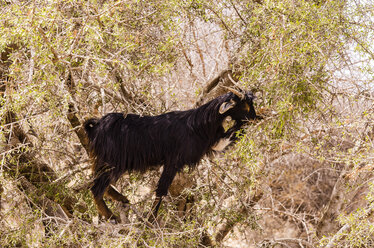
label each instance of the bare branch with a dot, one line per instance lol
(71, 173)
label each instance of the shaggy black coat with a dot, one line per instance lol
(126, 143)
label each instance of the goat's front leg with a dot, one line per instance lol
(164, 183)
(104, 211)
(101, 184)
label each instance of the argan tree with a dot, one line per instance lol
(301, 177)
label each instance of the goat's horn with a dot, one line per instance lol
(236, 92)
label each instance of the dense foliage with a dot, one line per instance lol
(302, 177)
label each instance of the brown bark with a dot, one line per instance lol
(229, 225)
(72, 116)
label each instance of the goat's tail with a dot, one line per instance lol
(89, 127)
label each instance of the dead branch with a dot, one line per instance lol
(71, 173)
(229, 225)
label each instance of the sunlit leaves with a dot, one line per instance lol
(283, 50)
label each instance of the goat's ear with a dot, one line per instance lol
(226, 106)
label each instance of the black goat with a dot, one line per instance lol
(125, 143)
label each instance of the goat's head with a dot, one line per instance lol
(239, 106)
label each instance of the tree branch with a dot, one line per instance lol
(224, 79)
